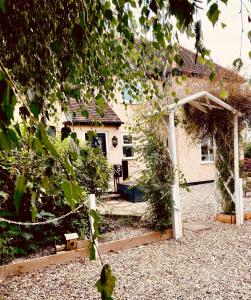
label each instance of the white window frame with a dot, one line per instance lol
(207, 161)
(127, 145)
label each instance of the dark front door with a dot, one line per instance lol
(98, 140)
(125, 169)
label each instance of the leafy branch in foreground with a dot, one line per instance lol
(106, 283)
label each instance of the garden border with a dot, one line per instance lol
(67, 256)
(231, 219)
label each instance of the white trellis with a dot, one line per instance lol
(194, 100)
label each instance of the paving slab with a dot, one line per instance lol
(122, 208)
(195, 227)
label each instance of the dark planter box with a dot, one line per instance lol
(131, 193)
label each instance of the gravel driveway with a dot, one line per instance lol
(211, 264)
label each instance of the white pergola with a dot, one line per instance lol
(212, 102)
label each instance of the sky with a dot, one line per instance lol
(225, 43)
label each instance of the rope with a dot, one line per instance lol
(43, 222)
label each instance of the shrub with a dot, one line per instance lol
(93, 170)
(247, 150)
(156, 182)
(44, 197)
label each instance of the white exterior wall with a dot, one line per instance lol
(189, 154)
(189, 159)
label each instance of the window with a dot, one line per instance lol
(207, 150)
(128, 151)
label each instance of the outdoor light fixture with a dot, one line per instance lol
(114, 141)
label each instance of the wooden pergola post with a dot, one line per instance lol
(238, 196)
(177, 224)
(237, 181)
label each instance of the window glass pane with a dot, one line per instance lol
(127, 139)
(204, 149)
(128, 151)
(207, 149)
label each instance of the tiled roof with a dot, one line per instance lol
(192, 69)
(106, 116)
(198, 68)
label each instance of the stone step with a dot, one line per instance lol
(110, 196)
(196, 227)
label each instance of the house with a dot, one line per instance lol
(196, 160)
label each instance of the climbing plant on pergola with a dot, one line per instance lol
(204, 102)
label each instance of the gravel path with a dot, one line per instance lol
(212, 264)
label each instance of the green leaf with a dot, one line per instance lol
(249, 35)
(69, 167)
(37, 144)
(159, 36)
(223, 94)
(27, 235)
(183, 11)
(47, 142)
(212, 75)
(3, 195)
(72, 192)
(249, 54)
(213, 13)
(105, 72)
(238, 63)
(74, 136)
(68, 192)
(106, 284)
(85, 113)
(7, 102)
(96, 218)
(108, 14)
(2, 6)
(223, 25)
(19, 191)
(8, 139)
(51, 130)
(92, 255)
(179, 60)
(35, 109)
(33, 206)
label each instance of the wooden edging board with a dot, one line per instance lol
(67, 256)
(231, 219)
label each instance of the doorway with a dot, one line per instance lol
(125, 170)
(99, 140)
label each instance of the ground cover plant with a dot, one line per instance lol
(44, 198)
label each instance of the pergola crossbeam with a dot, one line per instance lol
(198, 106)
(198, 96)
(210, 106)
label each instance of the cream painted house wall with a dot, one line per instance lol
(189, 154)
(114, 154)
(189, 159)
